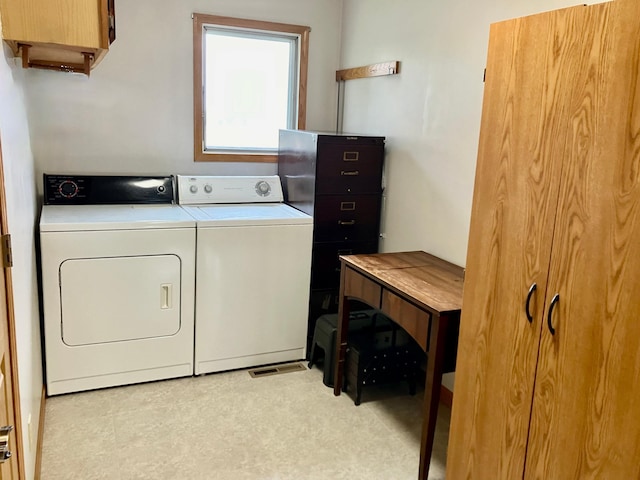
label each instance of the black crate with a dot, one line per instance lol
(371, 362)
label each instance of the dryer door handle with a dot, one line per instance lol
(165, 296)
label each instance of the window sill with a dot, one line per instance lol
(235, 157)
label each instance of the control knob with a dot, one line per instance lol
(263, 188)
(193, 188)
(208, 188)
(68, 189)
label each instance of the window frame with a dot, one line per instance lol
(199, 22)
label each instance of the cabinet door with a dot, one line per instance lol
(63, 22)
(511, 233)
(585, 421)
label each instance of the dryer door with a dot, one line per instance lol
(119, 298)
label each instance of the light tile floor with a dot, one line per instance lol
(229, 426)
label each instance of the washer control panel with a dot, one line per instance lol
(106, 189)
(203, 189)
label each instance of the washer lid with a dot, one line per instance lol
(248, 214)
(70, 218)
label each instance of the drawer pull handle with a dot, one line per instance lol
(350, 173)
(346, 222)
(347, 206)
(350, 156)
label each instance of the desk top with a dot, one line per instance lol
(433, 283)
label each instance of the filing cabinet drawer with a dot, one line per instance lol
(325, 264)
(349, 169)
(346, 218)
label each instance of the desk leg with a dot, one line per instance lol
(341, 336)
(435, 360)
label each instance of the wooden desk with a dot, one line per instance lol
(419, 292)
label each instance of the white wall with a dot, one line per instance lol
(20, 190)
(134, 114)
(430, 112)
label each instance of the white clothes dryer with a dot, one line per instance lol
(253, 267)
(117, 280)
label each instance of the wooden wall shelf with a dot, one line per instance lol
(374, 70)
(58, 64)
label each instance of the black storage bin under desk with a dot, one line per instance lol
(325, 332)
(371, 363)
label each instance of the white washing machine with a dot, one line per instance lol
(253, 272)
(118, 282)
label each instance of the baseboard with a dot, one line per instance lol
(446, 396)
(38, 465)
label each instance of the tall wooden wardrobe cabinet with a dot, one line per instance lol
(548, 370)
(338, 180)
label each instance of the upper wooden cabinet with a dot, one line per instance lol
(548, 368)
(69, 35)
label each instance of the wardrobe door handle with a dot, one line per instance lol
(532, 289)
(554, 300)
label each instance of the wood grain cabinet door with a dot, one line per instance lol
(585, 421)
(514, 204)
(548, 378)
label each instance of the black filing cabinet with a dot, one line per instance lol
(338, 180)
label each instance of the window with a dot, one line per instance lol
(249, 81)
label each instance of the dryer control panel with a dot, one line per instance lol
(107, 189)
